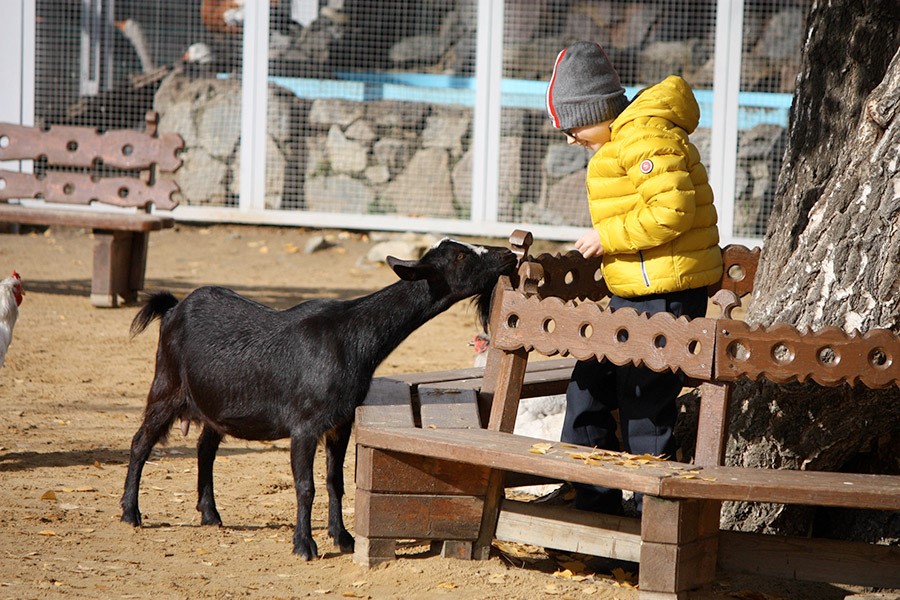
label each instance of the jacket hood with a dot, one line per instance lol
(671, 99)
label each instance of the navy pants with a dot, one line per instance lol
(645, 401)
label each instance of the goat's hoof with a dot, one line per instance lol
(307, 550)
(211, 520)
(132, 517)
(344, 541)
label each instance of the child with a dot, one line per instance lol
(654, 224)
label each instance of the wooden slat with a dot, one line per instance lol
(829, 561)
(388, 403)
(448, 408)
(476, 373)
(81, 146)
(814, 488)
(511, 453)
(418, 516)
(673, 568)
(63, 187)
(71, 218)
(712, 424)
(570, 530)
(394, 472)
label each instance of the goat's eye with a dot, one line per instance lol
(460, 257)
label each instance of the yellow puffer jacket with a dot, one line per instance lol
(650, 199)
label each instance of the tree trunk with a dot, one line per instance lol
(831, 257)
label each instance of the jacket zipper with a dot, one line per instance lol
(644, 269)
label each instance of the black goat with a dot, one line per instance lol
(246, 370)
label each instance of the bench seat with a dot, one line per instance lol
(27, 215)
(665, 479)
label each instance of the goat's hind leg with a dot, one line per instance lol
(336, 442)
(207, 446)
(158, 418)
(303, 451)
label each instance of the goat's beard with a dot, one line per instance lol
(483, 303)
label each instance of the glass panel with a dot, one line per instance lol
(542, 178)
(773, 36)
(370, 107)
(104, 64)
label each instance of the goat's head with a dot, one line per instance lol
(457, 270)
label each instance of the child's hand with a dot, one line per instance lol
(589, 244)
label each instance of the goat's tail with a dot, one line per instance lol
(157, 305)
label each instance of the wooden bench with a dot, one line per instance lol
(75, 170)
(434, 451)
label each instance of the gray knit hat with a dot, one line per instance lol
(585, 88)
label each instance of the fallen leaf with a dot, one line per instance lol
(446, 585)
(49, 495)
(623, 577)
(47, 532)
(575, 566)
(540, 448)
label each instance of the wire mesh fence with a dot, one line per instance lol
(371, 106)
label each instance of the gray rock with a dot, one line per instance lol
(378, 174)
(392, 153)
(337, 193)
(396, 114)
(446, 128)
(423, 189)
(334, 111)
(345, 156)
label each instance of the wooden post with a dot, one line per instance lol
(712, 428)
(503, 378)
(679, 546)
(111, 273)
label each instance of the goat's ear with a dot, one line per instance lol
(409, 270)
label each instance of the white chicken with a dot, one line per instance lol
(11, 293)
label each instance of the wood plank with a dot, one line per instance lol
(673, 568)
(441, 407)
(369, 552)
(569, 529)
(394, 472)
(421, 516)
(72, 218)
(388, 403)
(679, 521)
(535, 366)
(829, 561)
(712, 425)
(814, 488)
(510, 452)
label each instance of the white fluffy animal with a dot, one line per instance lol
(11, 293)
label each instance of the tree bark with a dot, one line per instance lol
(831, 257)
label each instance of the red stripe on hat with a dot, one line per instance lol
(550, 108)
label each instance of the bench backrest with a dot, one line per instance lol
(541, 311)
(79, 165)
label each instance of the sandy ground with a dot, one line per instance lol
(72, 394)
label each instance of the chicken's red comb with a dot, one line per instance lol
(16, 275)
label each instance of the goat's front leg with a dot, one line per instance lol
(303, 451)
(336, 442)
(207, 446)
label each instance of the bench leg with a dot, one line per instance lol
(370, 552)
(120, 260)
(679, 547)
